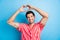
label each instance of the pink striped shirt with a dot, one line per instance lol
(31, 34)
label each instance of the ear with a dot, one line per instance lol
(34, 16)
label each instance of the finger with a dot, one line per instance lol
(24, 6)
(28, 5)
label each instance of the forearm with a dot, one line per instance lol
(13, 16)
(41, 12)
(17, 12)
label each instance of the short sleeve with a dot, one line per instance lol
(20, 27)
(41, 25)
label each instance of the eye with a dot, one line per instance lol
(28, 17)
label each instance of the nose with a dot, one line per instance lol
(30, 18)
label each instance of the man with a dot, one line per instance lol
(32, 30)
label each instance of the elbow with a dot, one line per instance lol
(9, 22)
(46, 16)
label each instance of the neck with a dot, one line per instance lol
(31, 24)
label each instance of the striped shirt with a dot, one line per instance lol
(30, 33)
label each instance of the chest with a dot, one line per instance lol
(34, 30)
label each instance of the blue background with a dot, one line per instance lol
(9, 7)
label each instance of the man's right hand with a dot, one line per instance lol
(21, 9)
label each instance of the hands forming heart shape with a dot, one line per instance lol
(21, 9)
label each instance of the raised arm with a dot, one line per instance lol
(42, 13)
(11, 20)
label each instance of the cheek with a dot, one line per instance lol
(28, 19)
(32, 19)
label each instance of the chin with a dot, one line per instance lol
(31, 22)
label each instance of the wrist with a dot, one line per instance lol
(19, 11)
(33, 7)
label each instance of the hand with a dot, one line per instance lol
(30, 7)
(21, 9)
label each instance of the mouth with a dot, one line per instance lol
(30, 20)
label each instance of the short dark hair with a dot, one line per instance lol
(28, 12)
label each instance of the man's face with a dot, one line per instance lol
(30, 18)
